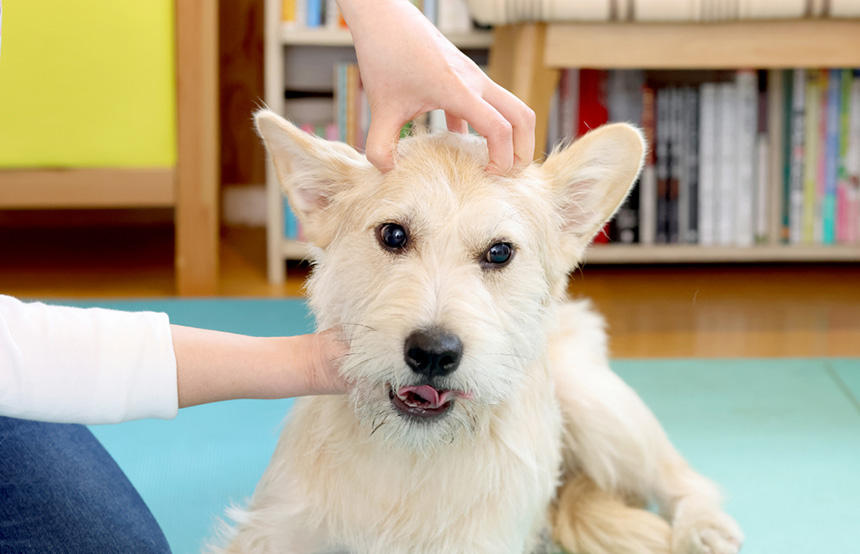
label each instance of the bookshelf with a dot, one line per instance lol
(526, 59)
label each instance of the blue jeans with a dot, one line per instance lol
(60, 491)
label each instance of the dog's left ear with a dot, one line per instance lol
(591, 178)
(311, 170)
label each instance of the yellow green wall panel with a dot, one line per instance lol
(87, 83)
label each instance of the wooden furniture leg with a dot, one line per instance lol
(197, 173)
(517, 63)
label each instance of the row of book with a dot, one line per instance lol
(736, 158)
(449, 16)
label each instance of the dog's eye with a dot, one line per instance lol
(498, 254)
(392, 236)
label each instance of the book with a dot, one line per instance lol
(690, 231)
(746, 83)
(811, 144)
(776, 141)
(762, 173)
(662, 165)
(852, 164)
(843, 184)
(675, 169)
(707, 163)
(314, 13)
(821, 160)
(624, 101)
(648, 180)
(796, 158)
(831, 157)
(726, 203)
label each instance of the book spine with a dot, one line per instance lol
(288, 13)
(841, 172)
(747, 126)
(852, 162)
(828, 206)
(648, 186)
(352, 105)
(340, 100)
(798, 104)
(570, 103)
(675, 150)
(821, 179)
(692, 110)
(760, 219)
(727, 189)
(707, 106)
(314, 13)
(775, 125)
(810, 155)
(625, 99)
(662, 165)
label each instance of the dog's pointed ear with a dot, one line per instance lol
(311, 170)
(591, 178)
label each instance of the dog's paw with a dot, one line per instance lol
(706, 531)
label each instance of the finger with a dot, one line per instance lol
(487, 121)
(456, 124)
(521, 118)
(382, 140)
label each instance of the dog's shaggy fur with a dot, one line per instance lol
(545, 443)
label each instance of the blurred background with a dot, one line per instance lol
(129, 167)
(130, 176)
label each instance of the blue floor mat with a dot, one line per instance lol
(781, 437)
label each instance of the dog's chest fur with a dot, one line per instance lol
(485, 492)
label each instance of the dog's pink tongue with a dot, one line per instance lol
(426, 392)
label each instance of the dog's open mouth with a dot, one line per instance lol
(423, 401)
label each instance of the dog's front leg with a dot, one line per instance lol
(615, 441)
(277, 521)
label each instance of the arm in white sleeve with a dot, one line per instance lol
(80, 365)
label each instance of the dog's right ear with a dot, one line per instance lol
(311, 170)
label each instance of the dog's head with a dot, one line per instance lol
(441, 275)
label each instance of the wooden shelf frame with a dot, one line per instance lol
(191, 188)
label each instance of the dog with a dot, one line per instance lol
(483, 416)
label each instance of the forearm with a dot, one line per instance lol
(213, 366)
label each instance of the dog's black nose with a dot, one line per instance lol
(433, 352)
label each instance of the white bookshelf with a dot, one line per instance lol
(280, 37)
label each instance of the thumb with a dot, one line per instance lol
(382, 141)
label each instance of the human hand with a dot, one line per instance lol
(324, 355)
(213, 366)
(409, 68)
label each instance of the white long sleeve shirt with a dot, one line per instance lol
(81, 365)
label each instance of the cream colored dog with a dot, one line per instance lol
(484, 417)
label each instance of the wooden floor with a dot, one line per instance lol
(701, 311)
